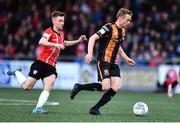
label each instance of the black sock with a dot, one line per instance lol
(174, 84)
(105, 98)
(91, 87)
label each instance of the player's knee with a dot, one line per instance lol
(26, 88)
(116, 88)
(105, 88)
(49, 88)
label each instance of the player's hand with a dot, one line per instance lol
(82, 38)
(130, 62)
(59, 46)
(88, 58)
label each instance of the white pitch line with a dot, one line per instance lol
(17, 100)
(16, 103)
(22, 102)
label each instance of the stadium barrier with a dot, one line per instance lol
(69, 73)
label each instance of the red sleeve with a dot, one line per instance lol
(47, 34)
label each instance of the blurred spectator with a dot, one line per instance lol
(153, 37)
(170, 82)
(171, 79)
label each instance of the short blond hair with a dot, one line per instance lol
(124, 11)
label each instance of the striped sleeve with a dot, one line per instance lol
(104, 31)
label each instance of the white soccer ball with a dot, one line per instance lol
(140, 109)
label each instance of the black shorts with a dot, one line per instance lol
(41, 70)
(107, 70)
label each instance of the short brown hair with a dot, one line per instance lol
(56, 13)
(124, 11)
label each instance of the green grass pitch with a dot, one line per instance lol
(119, 109)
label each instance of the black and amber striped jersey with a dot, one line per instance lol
(111, 37)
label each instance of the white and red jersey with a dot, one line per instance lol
(50, 54)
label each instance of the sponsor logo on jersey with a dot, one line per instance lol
(106, 72)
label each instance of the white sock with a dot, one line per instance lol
(20, 77)
(42, 98)
(170, 91)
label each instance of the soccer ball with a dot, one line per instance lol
(140, 109)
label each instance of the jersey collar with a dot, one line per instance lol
(55, 31)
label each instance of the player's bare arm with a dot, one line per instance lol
(70, 43)
(128, 60)
(91, 43)
(43, 41)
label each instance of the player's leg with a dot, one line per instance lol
(17, 73)
(105, 86)
(29, 83)
(110, 91)
(171, 88)
(33, 76)
(88, 87)
(101, 70)
(48, 85)
(26, 83)
(114, 80)
(115, 83)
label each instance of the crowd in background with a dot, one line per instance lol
(153, 36)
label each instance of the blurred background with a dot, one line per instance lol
(152, 40)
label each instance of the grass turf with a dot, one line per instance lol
(119, 109)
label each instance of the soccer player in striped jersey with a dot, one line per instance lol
(43, 67)
(110, 37)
